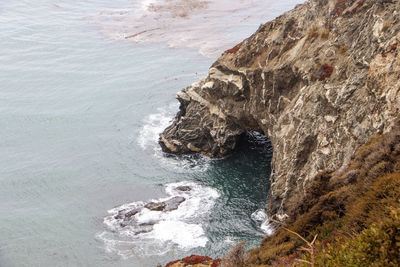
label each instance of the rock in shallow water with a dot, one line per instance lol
(173, 203)
(127, 217)
(144, 228)
(123, 214)
(120, 215)
(184, 188)
(168, 205)
(132, 212)
(155, 206)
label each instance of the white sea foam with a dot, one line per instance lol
(154, 124)
(148, 138)
(263, 222)
(145, 4)
(188, 235)
(179, 229)
(229, 240)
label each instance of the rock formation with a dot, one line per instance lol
(318, 81)
(195, 261)
(126, 216)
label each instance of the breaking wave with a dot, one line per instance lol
(148, 138)
(158, 226)
(262, 221)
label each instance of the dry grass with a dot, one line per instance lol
(310, 249)
(236, 256)
(324, 33)
(342, 49)
(313, 32)
(385, 26)
(316, 32)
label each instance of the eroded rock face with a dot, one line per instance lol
(318, 81)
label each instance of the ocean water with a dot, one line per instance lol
(85, 89)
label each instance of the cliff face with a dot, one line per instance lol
(318, 81)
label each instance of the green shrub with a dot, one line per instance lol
(378, 245)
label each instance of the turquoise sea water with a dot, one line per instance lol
(81, 108)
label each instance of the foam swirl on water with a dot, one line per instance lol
(186, 23)
(263, 222)
(154, 124)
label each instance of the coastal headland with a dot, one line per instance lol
(322, 83)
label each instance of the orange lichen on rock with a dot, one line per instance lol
(391, 49)
(195, 260)
(170, 264)
(216, 263)
(342, 5)
(234, 49)
(323, 73)
(339, 8)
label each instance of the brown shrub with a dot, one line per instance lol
(342, 49)
(313, 190)
(385, 26)
(313, 32)
(351, 177)
(236, 256)
(324, 33)
(372, 205)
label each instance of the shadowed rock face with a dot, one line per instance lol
(318, 81)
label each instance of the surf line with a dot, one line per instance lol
(139, 33)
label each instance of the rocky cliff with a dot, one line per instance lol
(318, 81)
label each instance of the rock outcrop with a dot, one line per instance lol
(126, 216)
(318, 81)
(195, 261)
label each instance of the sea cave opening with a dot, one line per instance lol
(242, 178)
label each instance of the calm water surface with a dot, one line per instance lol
(81, 108)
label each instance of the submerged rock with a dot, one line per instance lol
(123, 224)
(173, 203)
(126, 218)
(120, 215)
(318, 81)
(184, 188)
(132, 212)
(144, 228)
